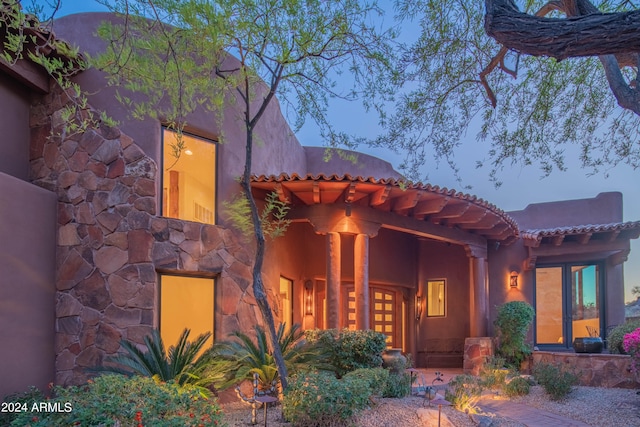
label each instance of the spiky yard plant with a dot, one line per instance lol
(184, 363)
(249, 355)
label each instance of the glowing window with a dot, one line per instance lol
(188, 178)
(436, 295)
(186, 302)
(286, 299)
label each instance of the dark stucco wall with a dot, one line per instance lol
(27, 286)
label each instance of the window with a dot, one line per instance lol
(569, 303)
(188, 178)
(185, 302)
(436, 301)
(286, 291)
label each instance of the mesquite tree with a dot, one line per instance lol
(529, 77)
(294, 49)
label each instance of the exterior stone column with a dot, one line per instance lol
(333, 281)
(478, 312)
(361, 279)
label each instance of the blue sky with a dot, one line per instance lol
(521, 185)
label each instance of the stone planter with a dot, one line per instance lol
(394, 360)
(588, 345)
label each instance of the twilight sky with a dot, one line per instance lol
(521, 185)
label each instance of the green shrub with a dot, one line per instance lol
(377, 378)
(113, 400)
(28, 397)
(556, 382)
(464, 392)
(398, 385)
(350, 350)
(518, 386)
(493, 373)
(512, 323)
(616, 336)
(320, 399)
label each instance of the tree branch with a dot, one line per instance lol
(592, 34)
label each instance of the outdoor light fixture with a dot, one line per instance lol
(513, 279)
(418, 307)
(308, 298)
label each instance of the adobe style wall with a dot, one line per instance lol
(111, 243)
(27, 288)
(603, 209)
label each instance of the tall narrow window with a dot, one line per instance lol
(188, 178)
(286, 299)
(185, 302)
(436, 303)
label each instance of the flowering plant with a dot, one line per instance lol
(631, 345)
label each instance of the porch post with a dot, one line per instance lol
(478, 312)
(361, 279)
(333, 281)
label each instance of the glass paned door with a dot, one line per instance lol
(585, 300)
(568, 303)
(549, 307)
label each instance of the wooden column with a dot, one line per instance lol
(478, 297)
(478, 311)
(333, 281)
(361, 279)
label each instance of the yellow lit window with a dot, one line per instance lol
(436, 302)
(186, 302)
(286, 299)
(188, 178)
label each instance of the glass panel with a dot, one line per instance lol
(378, 317)
(286, 290)
(388, 297)
(352, 304)
(378, 328)
(388, 318)
(378, 295)
(388, 307)
(585, 300)
(378, 306)
(436, 298)
(388, 328)
(188, 180)
(185, 302)
(549, 305)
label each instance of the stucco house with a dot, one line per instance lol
(104, 236)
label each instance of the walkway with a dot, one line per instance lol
(527, 415)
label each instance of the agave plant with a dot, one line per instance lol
(181, 364)
(249, 356)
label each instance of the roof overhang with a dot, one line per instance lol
(598, 241)
(400, 205)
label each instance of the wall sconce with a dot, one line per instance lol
(418, 307)
(513, 279)
(308, 298)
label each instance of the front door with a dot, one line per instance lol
(386, 312)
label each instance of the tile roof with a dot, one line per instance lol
(539, 233)
(453, 208)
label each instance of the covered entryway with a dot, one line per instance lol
(379, 241)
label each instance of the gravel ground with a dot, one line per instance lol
(598, 407)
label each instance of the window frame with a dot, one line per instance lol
(444, 298)
(161, 195)
(186, 275)
(566, 290)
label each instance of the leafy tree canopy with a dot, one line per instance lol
(527, 109)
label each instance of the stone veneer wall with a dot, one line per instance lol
(110, 243)
(594, 370)
(476, 352)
